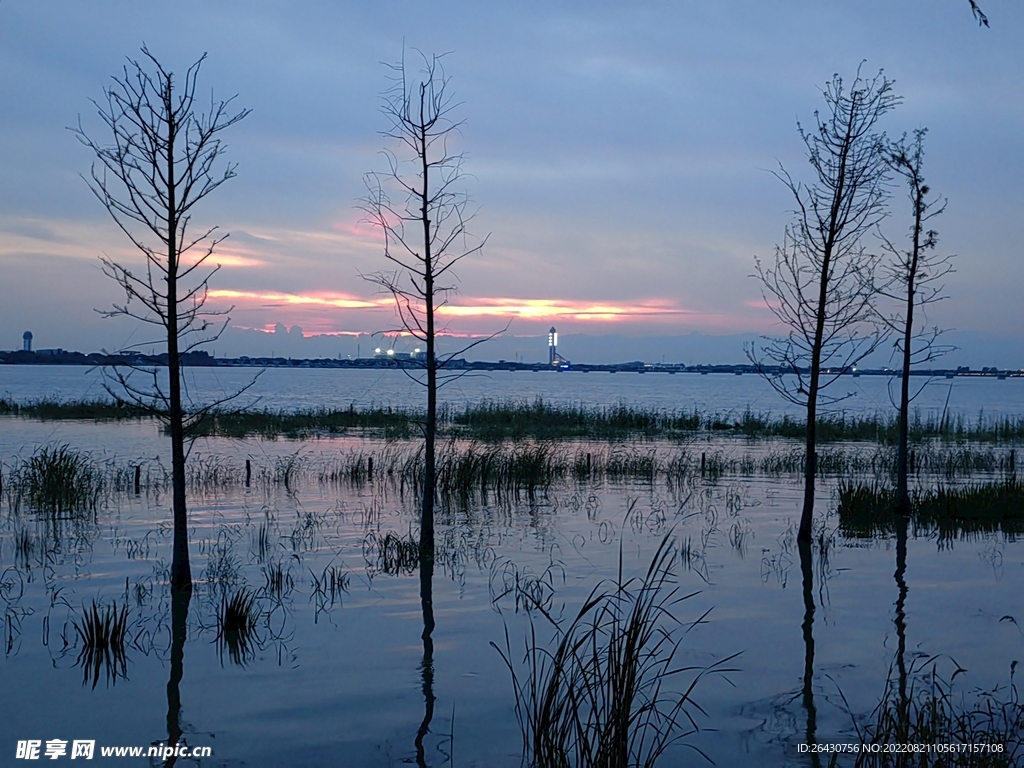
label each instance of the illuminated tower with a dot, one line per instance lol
(26, 341)
(552, 347)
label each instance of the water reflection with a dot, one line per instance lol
(900, 618)
(807, 574)
(180, 599)
(427, 664)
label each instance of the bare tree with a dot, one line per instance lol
(821, 283)
(916, 278)
(163, 160)
(420, 206)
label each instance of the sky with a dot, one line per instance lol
(618, 160)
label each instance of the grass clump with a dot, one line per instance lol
(930, 711)
(598, 698)
(102, 633)
(59, 481)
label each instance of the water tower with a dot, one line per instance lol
(26, 341)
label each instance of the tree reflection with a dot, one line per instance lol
(807, 573)
(180, 599)
(427, 665)
(901, 617)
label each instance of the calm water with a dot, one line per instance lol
(327, 684)
(296, 389)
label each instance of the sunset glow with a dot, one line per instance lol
(540, 309)
(336, 300)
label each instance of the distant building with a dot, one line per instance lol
(392, 354)
(555, 360)
(26, 341)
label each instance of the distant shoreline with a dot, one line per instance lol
(205, 360)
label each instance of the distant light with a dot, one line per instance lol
(416, 351)
(377, 350)
(391, 351)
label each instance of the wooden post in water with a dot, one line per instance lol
(1013, 460)
(138, 478)
(248, 473)
(702, 460)
(911, 461)
(588, 464)
(369, 468)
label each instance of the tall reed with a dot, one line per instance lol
(599, 697)
(931, 711)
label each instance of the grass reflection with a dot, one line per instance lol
(102, 632)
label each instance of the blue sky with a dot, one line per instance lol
(619, 155)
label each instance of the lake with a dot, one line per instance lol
(292, 389)
(335, 670)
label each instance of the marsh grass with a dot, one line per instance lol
(66, 484)
(81, 410)
(932, 711)
(599, 697)
(236, 627)
(102, 632)
(491, 420)
(867, 509)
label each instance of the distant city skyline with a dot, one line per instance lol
(973, 349)
(619, 157)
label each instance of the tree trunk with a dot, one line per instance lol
(902, 490)
(181, 570)
(810, 462)
(429, 470)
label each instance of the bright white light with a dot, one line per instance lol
(391, 351)
(377, 350)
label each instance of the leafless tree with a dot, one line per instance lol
(421, 207)
(821, 282)
(163, 160)
(916, 280)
